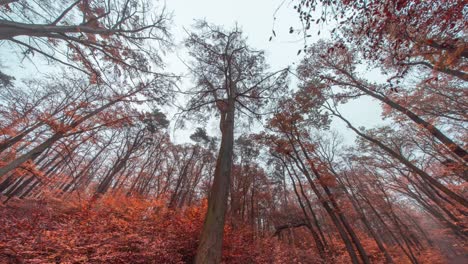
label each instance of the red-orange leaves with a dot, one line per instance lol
(118, 229)
(328, 180)
(282, 146)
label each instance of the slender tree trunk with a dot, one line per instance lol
(7, 182)
(11, 141)
(316, 222)
(407, 252)
(34, 153)
(410, 165)
(452, 146)
(210, 248)
(360, 210)
(336, 221)
(318, 242)
(175, 197)
(356, 204)
(342, 217)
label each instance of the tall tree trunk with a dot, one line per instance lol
(31, 155)
(358, 207)
(210, 248)
(316, 222)
(390, 231)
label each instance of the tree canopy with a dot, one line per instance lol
(274, 165)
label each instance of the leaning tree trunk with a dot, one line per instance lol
(35, 152)
(210, 248)
(426, 177)
(450, 144)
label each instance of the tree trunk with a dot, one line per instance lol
(452, 146)
(210, 248)
(318, 242)
(330, 211)
(410, 165)
(357, 206)
(337, 209)
(35, 152)
(11, 141)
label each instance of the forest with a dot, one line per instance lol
(91, 169)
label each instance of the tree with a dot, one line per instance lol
(289, 144)
(336, 65)
(230, 78)
(402, 34)
(95, 106)
(94, 37)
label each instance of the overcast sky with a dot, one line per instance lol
(256, 18)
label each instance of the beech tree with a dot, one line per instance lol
(231, 79)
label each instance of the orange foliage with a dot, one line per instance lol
(118, 229)
(110, 230)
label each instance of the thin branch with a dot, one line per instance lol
(64, 13)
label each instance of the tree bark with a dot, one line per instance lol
(210, 248)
